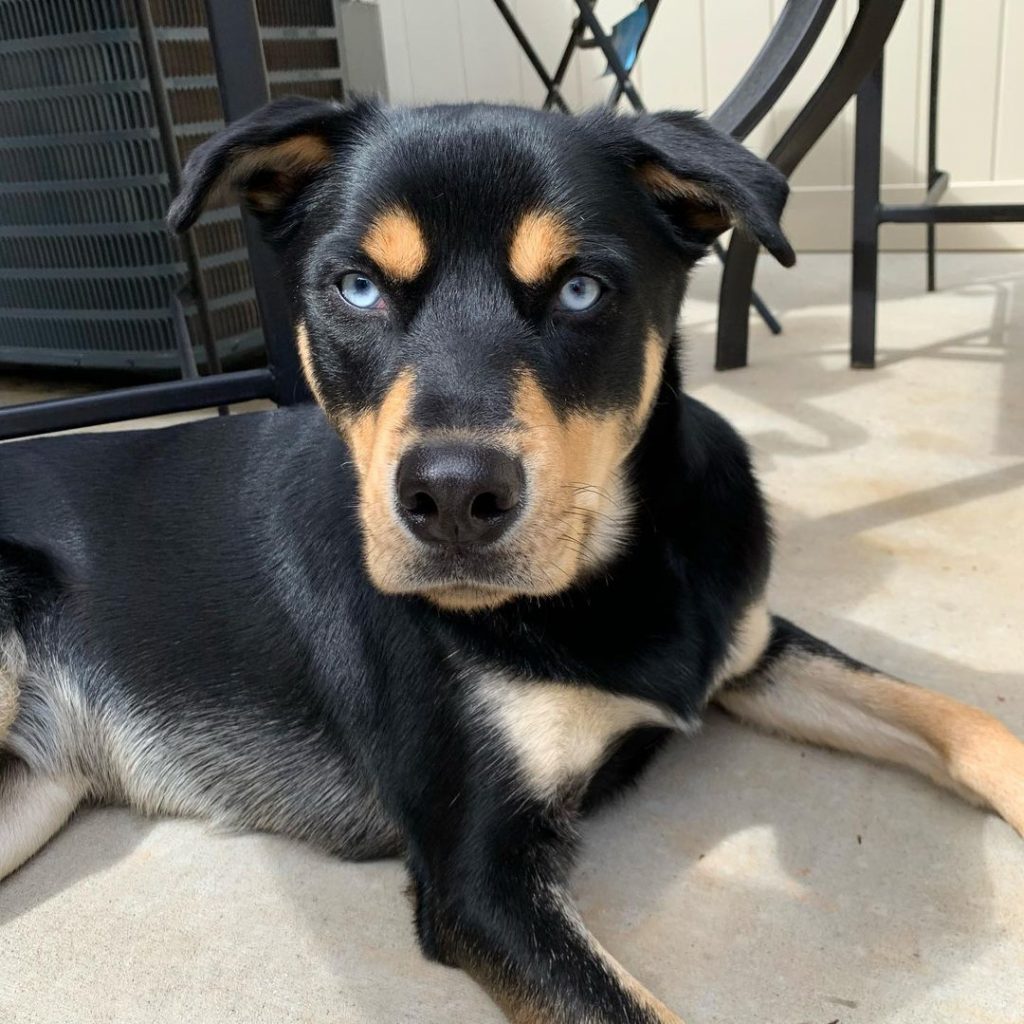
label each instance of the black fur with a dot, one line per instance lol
(211, 576)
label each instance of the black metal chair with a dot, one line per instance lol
(869, 213)
(860, 52)
(774, 67)
(785, 50)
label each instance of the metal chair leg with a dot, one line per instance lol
(857, 57)
(866, 185)
(933, 127)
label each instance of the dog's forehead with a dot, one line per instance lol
(477, 170)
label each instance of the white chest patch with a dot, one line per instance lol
(560, 734)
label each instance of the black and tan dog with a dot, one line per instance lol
(466, 599)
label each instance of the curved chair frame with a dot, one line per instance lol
(860, 54)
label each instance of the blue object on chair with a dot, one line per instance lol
(626, 35)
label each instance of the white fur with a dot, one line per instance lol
(747, 645)
(559, 734)
(33, 808)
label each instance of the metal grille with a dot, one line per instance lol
(88, 273)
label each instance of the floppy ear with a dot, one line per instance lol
(706, 182)
(266, 157)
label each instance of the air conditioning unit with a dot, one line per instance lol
(89, 275)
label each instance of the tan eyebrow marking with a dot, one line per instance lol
(395, 242)
(541, 243)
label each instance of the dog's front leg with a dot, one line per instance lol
(494, 903)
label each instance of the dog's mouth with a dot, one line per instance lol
(466, 577)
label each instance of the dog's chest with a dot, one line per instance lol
(557, 735)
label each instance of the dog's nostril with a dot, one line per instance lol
(420, 504)
(487, 506)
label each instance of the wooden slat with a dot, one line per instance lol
(396, 50)
(490, 54)
(672, 59)
(967, 98)
(436, 50)
(1009, 142)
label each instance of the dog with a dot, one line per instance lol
(465, 597)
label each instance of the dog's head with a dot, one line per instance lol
(485, 301)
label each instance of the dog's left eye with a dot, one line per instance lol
(579, 293)
(359, 291)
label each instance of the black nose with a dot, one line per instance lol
(459, 493)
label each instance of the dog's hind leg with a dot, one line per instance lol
(804, 688)
(33, 808)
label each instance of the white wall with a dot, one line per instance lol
(461, 49)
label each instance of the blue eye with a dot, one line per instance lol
(359, 291)
(579, 293)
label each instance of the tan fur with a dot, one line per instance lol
(708, 212)
(579, 507)
(821, 700)
(654, 1006)
(521, 1009)
(306, 359)
(467, 599)
(288, 160)
(558, 733)
(376, 440)
(541, 243)
(395, 242)
(9, 693)
(654, 363)
(12, 665)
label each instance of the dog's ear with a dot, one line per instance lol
(266, 157)
(706, 182)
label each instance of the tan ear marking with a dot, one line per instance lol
(541, 243)
(285, 161)
(395, 242)
(708, 215)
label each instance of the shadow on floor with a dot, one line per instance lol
(94, 839)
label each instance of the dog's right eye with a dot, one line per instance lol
(359, 291)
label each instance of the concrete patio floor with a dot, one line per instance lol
(749, 879)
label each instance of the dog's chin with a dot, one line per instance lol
(453, 596)
(461, 584)
(468, 598)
